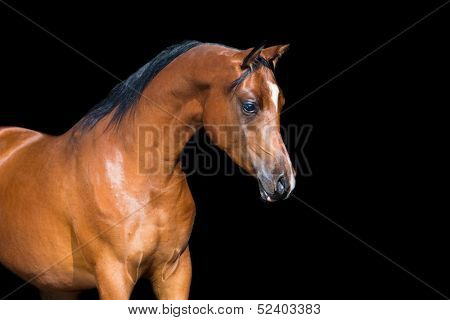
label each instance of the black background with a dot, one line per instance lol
(377, 150)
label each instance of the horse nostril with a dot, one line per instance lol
(281, 185)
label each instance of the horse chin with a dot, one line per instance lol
(266, 197)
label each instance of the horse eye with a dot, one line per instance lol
(249, 107)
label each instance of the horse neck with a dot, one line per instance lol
(151, 136)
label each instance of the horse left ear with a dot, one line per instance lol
(250, 58)
(272, 54)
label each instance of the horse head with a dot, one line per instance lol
(242, 117)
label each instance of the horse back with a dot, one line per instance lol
(13, 139)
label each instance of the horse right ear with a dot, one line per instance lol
(272, 54)
(250, 56)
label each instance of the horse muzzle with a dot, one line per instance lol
(276, 189)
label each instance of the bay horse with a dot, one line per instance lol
(80, 211)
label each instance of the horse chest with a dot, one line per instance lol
(155, 235)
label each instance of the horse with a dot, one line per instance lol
(98, 207)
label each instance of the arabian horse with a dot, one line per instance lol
(82, 210)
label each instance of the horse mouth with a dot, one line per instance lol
(265, 195)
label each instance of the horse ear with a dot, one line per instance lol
(251, 56)
(272, 54)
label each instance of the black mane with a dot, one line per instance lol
(125, 94)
